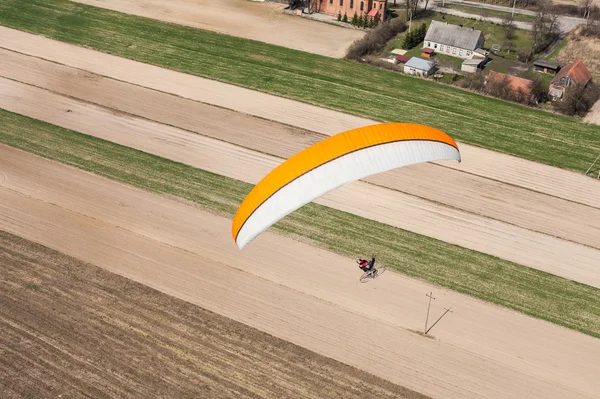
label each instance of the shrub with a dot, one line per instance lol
(345, 18)
(354, 19)
(339, 17)
(578, 100)
(375, 40)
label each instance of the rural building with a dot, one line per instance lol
(375, 9)
(419, 67)
(453, 40)
(544, 66)
(402, 59)
(515, 83)
(570, 75)
(472, 65)
(426, 52)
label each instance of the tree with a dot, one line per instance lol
(339, 17)
(578, 100)
(545, 28)
(539, 90)
(509, 27)
(354, 19)
(345, 19)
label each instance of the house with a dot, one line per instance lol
(472, 65)
(453, 40)
(426, 52)
(402, 59)
(544, 66)
(419, 67)
(375, 9)
(570, 75)
(515, 83)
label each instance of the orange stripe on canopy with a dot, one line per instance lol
(326, 151)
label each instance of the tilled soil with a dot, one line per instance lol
(70, 329)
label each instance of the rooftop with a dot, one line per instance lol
(419, 63)
(453, 35)
(576, 71)
(546, 64)
(514, 82)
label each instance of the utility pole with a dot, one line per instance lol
(447, 310)
(430, 295)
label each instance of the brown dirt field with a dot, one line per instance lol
(260, 21)
(511, 170)
(594, 115)
(586, 48)
(189, 254)
(515, 205)
(71, 329)
(553, 255)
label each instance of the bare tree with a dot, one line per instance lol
(509, 26)
(586, 6)
(546, 27)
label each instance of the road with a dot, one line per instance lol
(567, 23)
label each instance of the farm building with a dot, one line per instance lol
(402, 59)
(569, 75)
(544, 66)
(427, 52)
(375, 9)
(453, 40)
(419, 67)
(472, 65)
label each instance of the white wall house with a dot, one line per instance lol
(419, 67)
(453, 40)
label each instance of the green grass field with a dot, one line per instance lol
(337, 84)
(494, 34)
(526, 290)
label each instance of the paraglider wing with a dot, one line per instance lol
(333, 162)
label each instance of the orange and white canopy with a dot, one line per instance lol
(333, 162)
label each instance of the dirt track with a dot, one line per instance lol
(511, 170)
(507, 241)
(474, 194)
(264, 22)
(56, 345)
(174, 247)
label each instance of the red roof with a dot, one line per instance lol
(576, 71)
(373, 12)
(402, 58)
(427, 50)
(514, 82)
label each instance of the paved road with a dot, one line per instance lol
(567, 23)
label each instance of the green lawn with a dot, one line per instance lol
(337, 84)
(494, 34)
(557, 50)
(489, 13)
(526, 290)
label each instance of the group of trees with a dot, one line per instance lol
(414, 37)
(578, 99)
(375, 40)
(537, 91)
(362, 21)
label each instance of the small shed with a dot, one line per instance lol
(544, 66)
(419, 67)
(402, 59)
(472, 65)
(426, 52)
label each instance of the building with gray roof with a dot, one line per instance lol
(419, 67)
(453, 40)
